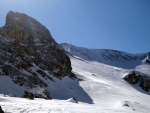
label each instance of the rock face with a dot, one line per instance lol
(21, 26)
(1, 111)
(29, 54)
(30, 95)
(135, 77)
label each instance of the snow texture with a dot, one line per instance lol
(106, 91)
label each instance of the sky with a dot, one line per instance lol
(97, 24)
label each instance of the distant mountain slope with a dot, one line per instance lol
(138, 63)
(106, 56)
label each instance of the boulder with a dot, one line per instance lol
(135, 77)
(31, 95)
(28, 95)
(73, 100)
(132, 77)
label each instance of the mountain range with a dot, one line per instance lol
(34, 66)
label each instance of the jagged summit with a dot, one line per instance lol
(22, 26)
(30, 59)
(22, 19)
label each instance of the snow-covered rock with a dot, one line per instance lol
(135, 77)
(30, 59)
(73, 100)
(147, 59)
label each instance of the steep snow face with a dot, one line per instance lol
(106, 56)
(104, 84)
(138, 62)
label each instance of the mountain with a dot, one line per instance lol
(116, 59)
(32, 63)
(106, 89)
(110, 57)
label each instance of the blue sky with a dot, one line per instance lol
(102, 24)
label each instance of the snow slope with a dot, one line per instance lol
(106, 56)
(107, 91)
(59, 88)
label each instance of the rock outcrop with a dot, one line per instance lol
(1, 111)
(135, 77)
(29, 54)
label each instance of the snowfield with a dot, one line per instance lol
(106, 91)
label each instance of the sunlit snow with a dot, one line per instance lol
(107, 92)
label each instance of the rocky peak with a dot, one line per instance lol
(22, 26)
(29, 55)
(22, 19)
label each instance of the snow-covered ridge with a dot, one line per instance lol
(106, 56)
